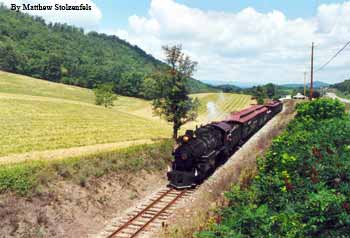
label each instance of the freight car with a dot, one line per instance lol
(201, 151)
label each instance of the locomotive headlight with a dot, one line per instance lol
(169, 169)
(185, 138)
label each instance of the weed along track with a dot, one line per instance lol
(150, 215)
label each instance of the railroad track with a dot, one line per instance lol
(150, 215)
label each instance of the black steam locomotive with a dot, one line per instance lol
(201, 151)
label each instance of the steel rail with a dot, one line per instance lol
(183, 192)
(142, 212)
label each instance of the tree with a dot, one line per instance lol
(150, 87)
(52, 68)
(130, 84)
(104, 95)
(260, 94)
(9, 59)
(172, 100)
(270, 90)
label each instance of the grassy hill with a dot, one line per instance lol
(38, 115)
(19, 84)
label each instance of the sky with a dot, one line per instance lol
(239, 42)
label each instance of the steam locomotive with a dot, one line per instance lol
(201, 151)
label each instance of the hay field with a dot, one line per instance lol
(38, 115)
(215, 106)
(34, 125)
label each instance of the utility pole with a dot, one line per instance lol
(305, 83)
(312, 72)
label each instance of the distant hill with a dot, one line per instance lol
(228, 88)
(316, 84)
(247, 85)
(234, 83)
(66, 54)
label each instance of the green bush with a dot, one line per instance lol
(320, 109)
(302, 188)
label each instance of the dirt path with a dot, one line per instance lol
(70, 152)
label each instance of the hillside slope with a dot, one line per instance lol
(343, 87)
(63, 53)
(37, 115)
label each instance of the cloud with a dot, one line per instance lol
(84, 18)
(246, 46)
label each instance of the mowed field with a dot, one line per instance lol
(215, 106)
(38, 115)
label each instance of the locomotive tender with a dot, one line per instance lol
(201, 151)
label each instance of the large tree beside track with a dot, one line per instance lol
(173, 102)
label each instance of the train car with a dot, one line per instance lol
(274, 107)
(200, 152)
(250, 119)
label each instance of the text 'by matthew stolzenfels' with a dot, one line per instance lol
(55, 7)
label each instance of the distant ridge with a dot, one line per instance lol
(245, 85)
(316, 84)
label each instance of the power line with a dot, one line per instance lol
(333, 57)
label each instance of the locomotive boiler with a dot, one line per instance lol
(201, 151)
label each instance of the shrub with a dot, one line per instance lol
(323, 108)
(104, 95)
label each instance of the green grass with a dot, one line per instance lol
(38, 115)
(27, 178)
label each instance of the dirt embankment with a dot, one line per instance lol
(68, 210)
(193, 215)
